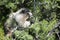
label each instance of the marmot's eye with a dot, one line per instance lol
(23, 11)
(28, 19)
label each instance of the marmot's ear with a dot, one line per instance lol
(25, 10)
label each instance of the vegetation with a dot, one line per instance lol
(46, 14)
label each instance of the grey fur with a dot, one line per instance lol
(18, 19)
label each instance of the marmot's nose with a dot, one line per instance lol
(32, 22)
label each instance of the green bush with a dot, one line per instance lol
(45, 15)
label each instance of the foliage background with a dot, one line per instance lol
(46, 14)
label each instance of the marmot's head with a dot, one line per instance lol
(23, 17)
